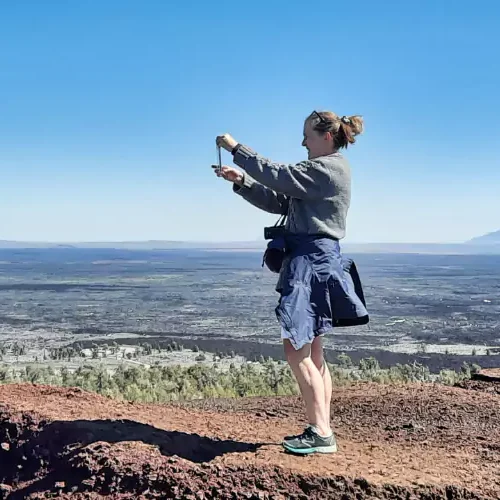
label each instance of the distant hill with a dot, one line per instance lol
(138, 245)
(475, 246)
(487, 239)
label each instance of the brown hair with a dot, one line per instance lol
(344, 129)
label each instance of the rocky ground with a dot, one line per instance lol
(395, 442)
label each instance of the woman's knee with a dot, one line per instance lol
(317, 354)
(296, 356)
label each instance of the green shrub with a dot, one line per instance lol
(174, 382)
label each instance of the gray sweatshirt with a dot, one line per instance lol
(315, 194)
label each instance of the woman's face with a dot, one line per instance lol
(316, 144)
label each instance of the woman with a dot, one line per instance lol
(316, 290)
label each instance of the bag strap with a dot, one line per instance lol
(281, 220)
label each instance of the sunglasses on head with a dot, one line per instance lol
(321, 119)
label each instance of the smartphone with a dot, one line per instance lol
(218, 168)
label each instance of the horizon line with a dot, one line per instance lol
(225, 242)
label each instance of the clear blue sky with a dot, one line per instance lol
(109, 113)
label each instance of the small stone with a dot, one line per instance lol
(5, 446)
(60, 484)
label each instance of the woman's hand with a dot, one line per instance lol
(226, 142)
(231, 174)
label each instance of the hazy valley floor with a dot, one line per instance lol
(439, 309)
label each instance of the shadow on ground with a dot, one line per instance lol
(47, 454)
(192, 447)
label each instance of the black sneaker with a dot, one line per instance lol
(310, 442)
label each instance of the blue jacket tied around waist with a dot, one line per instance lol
(319, 289)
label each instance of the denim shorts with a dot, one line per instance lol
(319, 290)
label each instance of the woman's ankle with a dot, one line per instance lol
(322, 430)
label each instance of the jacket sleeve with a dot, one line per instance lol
(261, 196)
(305, 180)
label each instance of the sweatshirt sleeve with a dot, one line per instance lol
(306, 180)
(261, 196)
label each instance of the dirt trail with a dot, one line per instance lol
(418, 441)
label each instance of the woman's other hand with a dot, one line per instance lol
(230, 174)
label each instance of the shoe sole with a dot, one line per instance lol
(308, 451)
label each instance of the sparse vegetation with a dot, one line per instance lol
(344, 360)
(266, 378)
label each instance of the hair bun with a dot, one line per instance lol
(356, 124)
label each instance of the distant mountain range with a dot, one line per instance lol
(486, 244)
(137, 245)
(486, 239)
